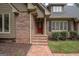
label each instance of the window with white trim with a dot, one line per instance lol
(4, 23)
(57, 9)
(59, 25)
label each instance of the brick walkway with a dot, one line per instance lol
(14, 49)
(39, 50)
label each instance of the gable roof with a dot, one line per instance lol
(68, 11)
(45, 8)
(40, 5)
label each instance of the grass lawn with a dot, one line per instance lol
(64, 46)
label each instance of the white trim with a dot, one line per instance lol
(9, 22)
(45, 26)
(30, 28)
(57, 8)
(2, 23)
(59, 29)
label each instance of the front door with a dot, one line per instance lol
(39, 26)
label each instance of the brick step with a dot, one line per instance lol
(40, 43)
(38, 39)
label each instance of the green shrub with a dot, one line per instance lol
(63, 35)
(55, 35)
(59, 35)
(73, 35)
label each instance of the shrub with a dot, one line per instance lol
(73, 35)
(55, 35)
(63, 35)
(59, 35)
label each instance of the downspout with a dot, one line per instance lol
(30, 28)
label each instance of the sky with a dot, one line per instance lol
(69, 4)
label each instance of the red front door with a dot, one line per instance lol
(39, 26)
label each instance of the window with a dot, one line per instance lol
(57, 9)
(0, 23)
(49, 26)
(59, 25)
(4, 23)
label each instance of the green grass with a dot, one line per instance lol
(64, 46)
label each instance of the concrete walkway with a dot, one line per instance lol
(39, 50)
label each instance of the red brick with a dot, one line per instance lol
(22, 28)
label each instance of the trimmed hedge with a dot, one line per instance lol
(59, 35)
(55, 35)
(64, 35)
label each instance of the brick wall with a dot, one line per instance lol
(22, 28)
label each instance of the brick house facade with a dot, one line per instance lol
(23, 23)
(30, 22)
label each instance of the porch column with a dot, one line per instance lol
(45, 26)
(30, 28)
